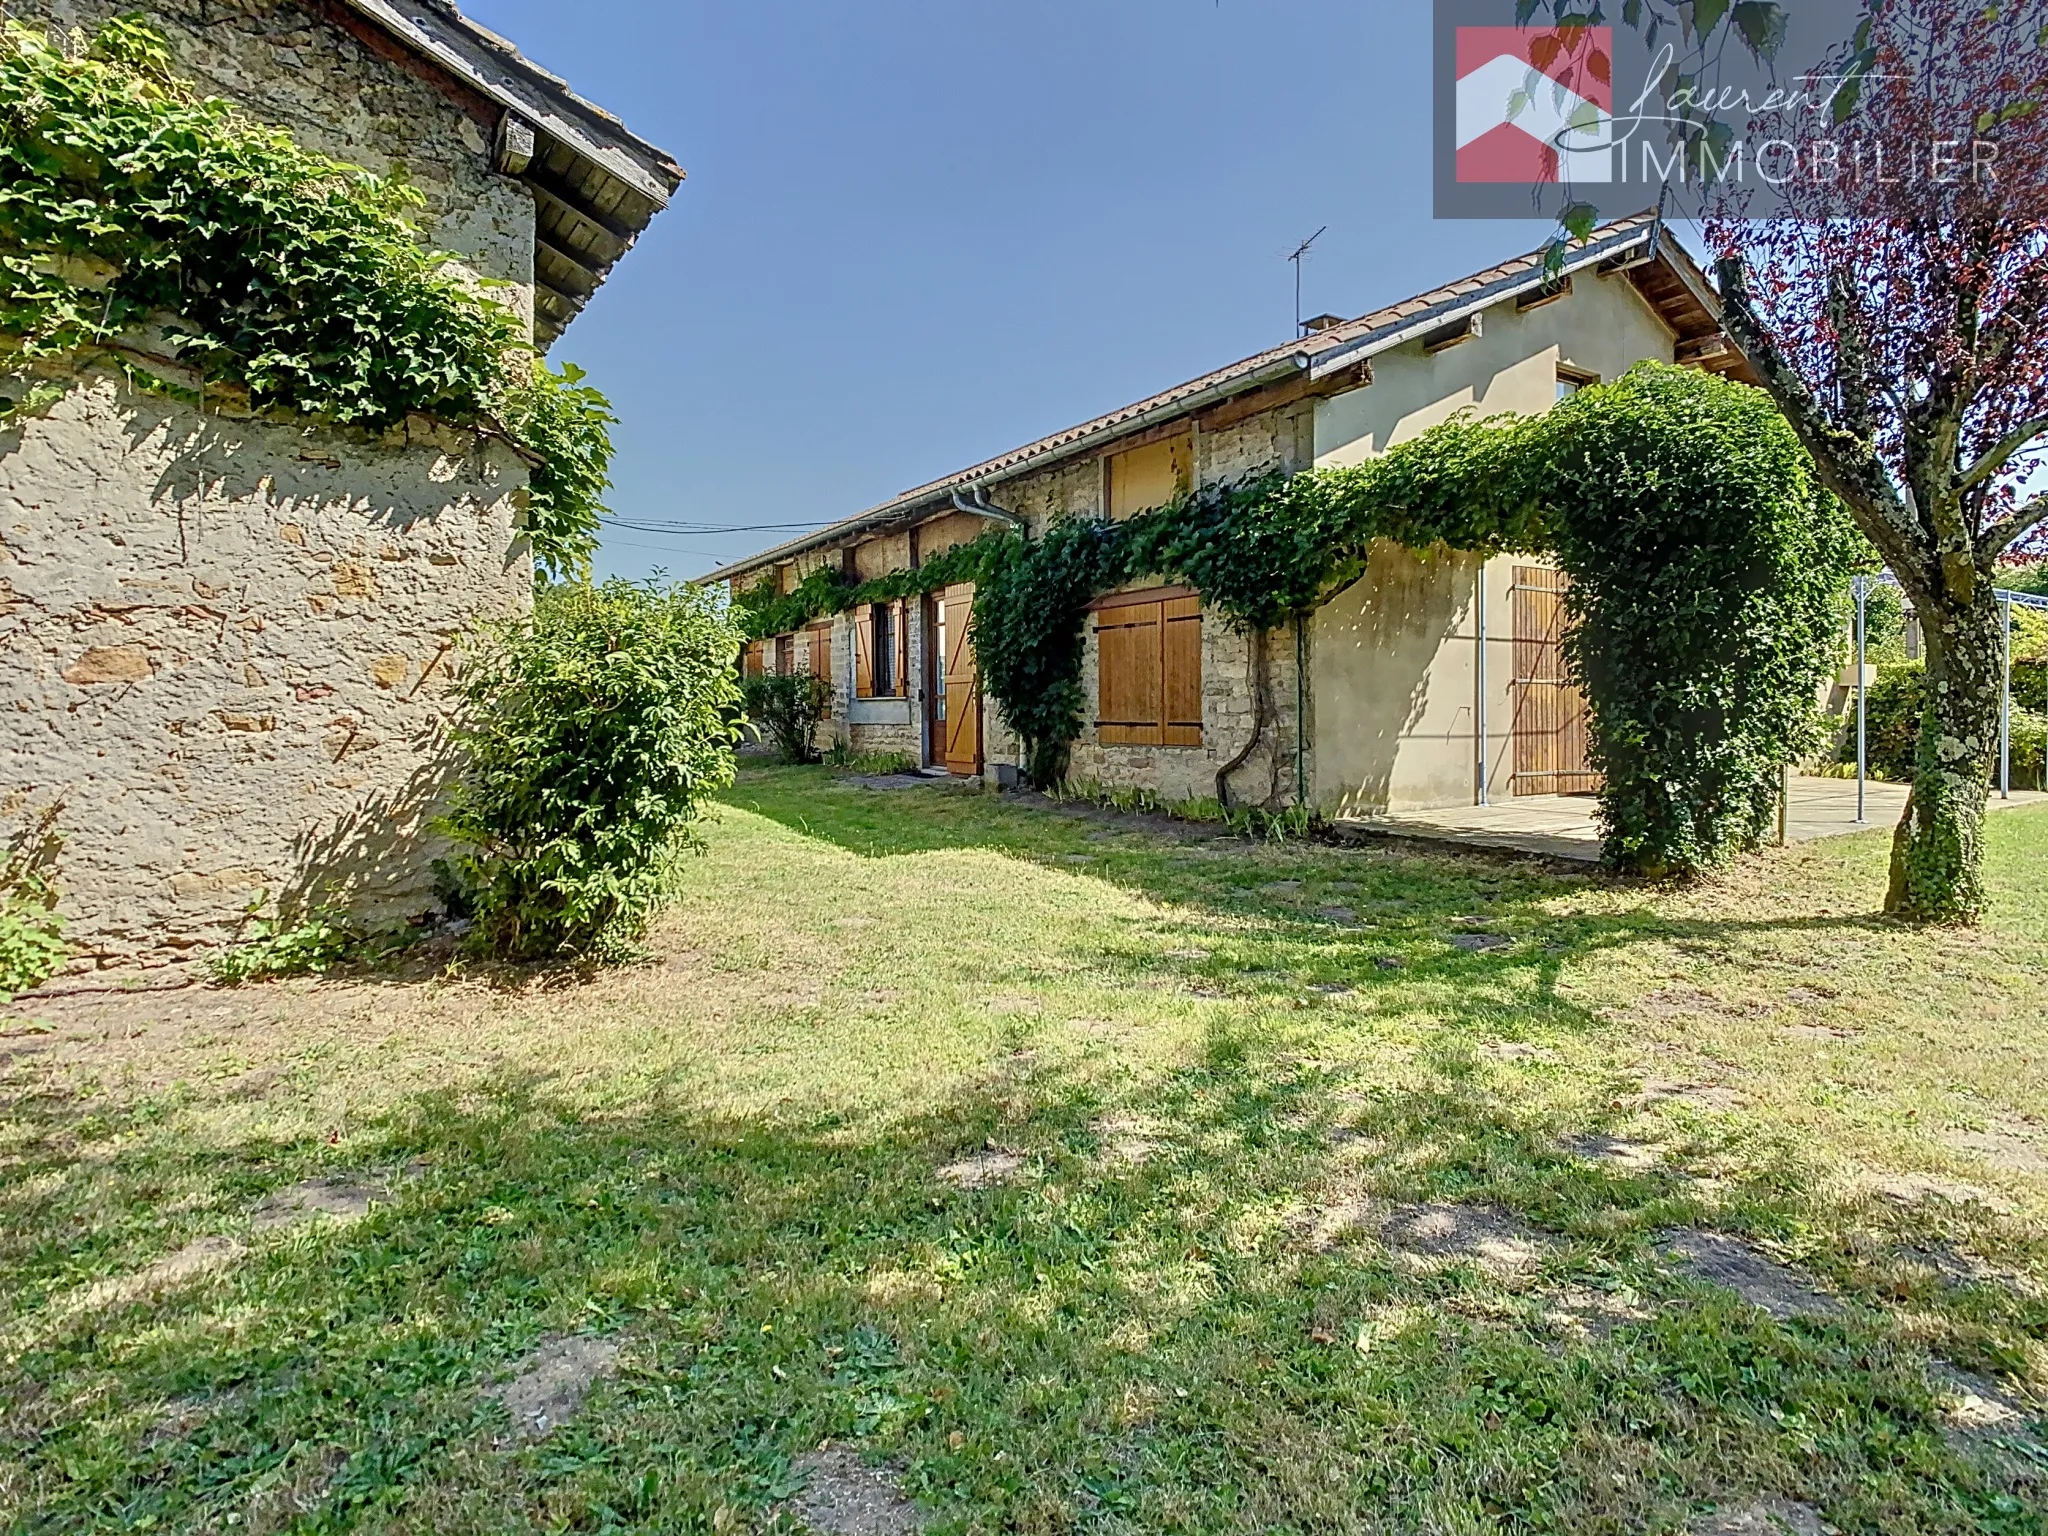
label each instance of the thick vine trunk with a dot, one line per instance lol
(1937, 852)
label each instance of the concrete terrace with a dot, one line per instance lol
(1562, 826)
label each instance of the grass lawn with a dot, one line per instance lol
(1075, 1174)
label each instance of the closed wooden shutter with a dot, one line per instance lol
(863, 652)
(1181, 662)
(899, 634)
(1129, 677)
(960, 684)
(1550, 728)
(754, 659)
(818, 642)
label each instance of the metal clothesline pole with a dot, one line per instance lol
(1482, 684)
(1862, 730)
(2005, 704)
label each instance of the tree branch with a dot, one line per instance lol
(1999, 456)
(1849, 465)
(1997, 538)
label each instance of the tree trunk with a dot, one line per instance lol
(1937, 852)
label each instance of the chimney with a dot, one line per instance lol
(1320, 323)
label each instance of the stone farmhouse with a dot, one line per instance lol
(224, 639)
(1434, 680)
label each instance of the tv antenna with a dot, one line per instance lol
(1300, 251)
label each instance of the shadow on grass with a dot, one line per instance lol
(1133, 1329)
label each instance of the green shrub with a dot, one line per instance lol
(841, 758)
(1707, 564)
(788, 706)
(276, 947)
(1892, 713)
(595, 732)
(31, 930)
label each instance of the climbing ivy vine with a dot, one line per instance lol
(138, 216)
(1707, 566)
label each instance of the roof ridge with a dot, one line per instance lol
(1337, 338)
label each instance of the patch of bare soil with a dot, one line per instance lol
(844, 1496)
(1764, 1283)
(1821, 1032)
(1588, 1314)
(202, 1256)
(1012, 1003)
(1616, 1152)
(1762, 1517)
(551, 1384)
(1973, 1406)
(1479, 943)
(982, 1170)
(1437, 1234)
(1676, 1003)
(1126, 1140)
(1708, 1096)
(1914, 1188)
(2006, 1144)
(316, 1198)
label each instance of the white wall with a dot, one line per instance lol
(1394, 666)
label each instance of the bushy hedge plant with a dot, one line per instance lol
(126, 197)
(1707, 565)
(1891, 723)
(788, 707)
(594, 734)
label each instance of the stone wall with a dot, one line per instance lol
(307, 66)
(224, 650)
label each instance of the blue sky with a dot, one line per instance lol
(917, 234)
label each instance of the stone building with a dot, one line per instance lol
(224, 640)
(1433, 680)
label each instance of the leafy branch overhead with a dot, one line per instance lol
(142, 221)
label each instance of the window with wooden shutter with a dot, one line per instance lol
(1149, 670)
(753, 660)
(899, 626)
(1151, 476)
(863, 652)
(785, 655)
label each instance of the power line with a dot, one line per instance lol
(702, 529)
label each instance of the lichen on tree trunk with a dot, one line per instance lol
(1937, 868)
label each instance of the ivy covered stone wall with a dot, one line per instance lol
(291, 63)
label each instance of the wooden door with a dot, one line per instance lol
(1549, 709)
(959, 700)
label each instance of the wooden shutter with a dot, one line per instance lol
(752, 664)
(961, 682)
(1128, 676)
(785, 655)
(818, 639)
(1549, 710)
(899, 636)
(863, 652)
(1181, 662)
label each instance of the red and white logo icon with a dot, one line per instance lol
(1535, 104)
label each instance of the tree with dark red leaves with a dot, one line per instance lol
(1894, 300)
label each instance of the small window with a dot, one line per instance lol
(885, 650)
(878, 651)
(1149, 670)
(1153, 476)
(1571, 380)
